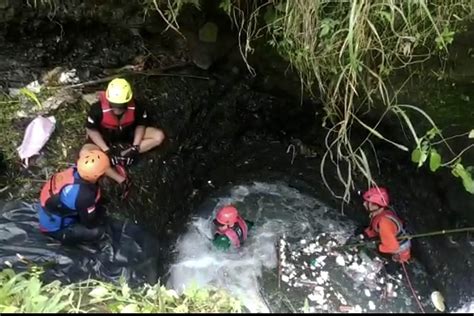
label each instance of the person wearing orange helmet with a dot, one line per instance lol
(386, 225)
(69, 200)
(231, 228)
(117, 125)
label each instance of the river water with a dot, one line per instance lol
(287, 264)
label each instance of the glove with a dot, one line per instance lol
(125, 188)
(114, 155)
(132, 154)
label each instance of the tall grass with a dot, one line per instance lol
(346, 50)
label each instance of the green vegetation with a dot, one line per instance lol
(346, 51)
(26, 293)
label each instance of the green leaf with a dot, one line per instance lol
(130, 308)
(468, 182)
(471, 134)
(125, 291)
(460, 171)
(432, 133)
(99, 292)
(32, 96)
(416, 155)
(10, 309)
(457, 169)
(419, 155)
(435, 160)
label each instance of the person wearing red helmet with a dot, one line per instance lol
(231, 228)
(385, 224)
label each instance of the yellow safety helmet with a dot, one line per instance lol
(119, 91)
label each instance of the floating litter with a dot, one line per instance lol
(367, 292)
(438, 301)
(371, 305)
(340, 260)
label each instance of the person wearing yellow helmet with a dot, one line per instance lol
(69, 208)
(118, 126)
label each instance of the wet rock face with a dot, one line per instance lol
(123, 12)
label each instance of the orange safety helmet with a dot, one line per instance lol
(377, 196)
(92, 165)
(227, 215)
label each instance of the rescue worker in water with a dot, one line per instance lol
(116, 125)
(231, 228)
(386, 225)
(69, 209)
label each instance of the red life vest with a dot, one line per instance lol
(405, 244)
(110, 120)
(237, 234)
(49, 198)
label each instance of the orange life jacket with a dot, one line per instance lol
(49, 197)
(405, 244)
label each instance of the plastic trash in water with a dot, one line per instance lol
(438, 301)
(37, 134)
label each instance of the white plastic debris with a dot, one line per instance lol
(340, 260)
(371, 305)
(37, 134)
(357, 309)
(341, 298)
(325, 275)
(285, 278)
(367, 292)
(69, 77)
(303, 241)
(34, 86)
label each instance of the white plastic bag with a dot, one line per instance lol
(37, 134)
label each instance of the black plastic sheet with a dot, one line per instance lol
(126, 252)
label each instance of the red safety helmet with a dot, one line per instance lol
(377, 196)
(227, 215)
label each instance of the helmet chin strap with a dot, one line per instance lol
(375, 212)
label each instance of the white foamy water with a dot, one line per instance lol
(466, 308)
